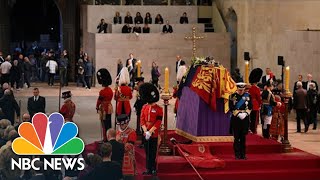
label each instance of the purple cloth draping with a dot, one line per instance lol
(196, 118)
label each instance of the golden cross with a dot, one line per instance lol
(194, 37)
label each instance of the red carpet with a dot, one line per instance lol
(265, 161)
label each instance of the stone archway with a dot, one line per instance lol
(232, 25)
(35, 27)
(70, 27)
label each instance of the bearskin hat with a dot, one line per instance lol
(104, 77)
(122, 119)
(255, 75)
(66, 95)
(149, 93)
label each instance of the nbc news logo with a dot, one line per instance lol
(48, 136)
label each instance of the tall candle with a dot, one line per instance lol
(139, 68)
(246, 75)
(166, 80)
(287, 78)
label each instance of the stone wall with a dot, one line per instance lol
(171, 13)
(269, 28)
(156, 47)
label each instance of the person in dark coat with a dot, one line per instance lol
(184, 19)
(117, 18)
(138, 106)
(126, 29)
(117, 147)
(36, 103)
(158, 19)
(146, 29)
(102, 27)
(27, 71)
(148, 18)
(300, 103)
(119, 66)
(138, 19)
(21, 66)
(313, 102)
(9, 106)
(89, 71)
(155, 74)
(15, 73)
(167, 28)
(136, 29)
(63, 68)
(128, 19)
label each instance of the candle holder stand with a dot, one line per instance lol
(286, 146)
(164, 148)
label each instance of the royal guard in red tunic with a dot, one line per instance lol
(150, 121)
(68, 108)
(255, 94)
(128, 137)
(123, 94)
(104, 106)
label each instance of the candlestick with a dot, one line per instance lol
(246, 75)
(138, 68)
(166, 80)
(287, 78)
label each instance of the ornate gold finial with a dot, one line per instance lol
(194, 37)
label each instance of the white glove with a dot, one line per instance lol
(242, 115)
(148, 135)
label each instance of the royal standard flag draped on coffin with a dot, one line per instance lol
(211, 83)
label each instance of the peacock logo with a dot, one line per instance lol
(48, 136)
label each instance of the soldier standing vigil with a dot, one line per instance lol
(240, 105)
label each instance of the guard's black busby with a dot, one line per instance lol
(255, 75)
(104, 77)
(149, 93)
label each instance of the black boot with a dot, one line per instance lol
(147, 172)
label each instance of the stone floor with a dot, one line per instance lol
(88, 123)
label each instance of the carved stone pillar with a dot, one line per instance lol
(71, 31)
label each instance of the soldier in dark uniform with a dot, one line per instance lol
(138, 106)
(240, 105)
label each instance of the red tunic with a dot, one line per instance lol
(151, 115)
(277, 123)
(67, 110)
(255, 94)
(128, 137)
(123, 96)
(104, 100)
